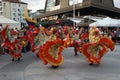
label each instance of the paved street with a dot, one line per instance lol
(73, 68)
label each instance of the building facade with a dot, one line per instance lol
(13, 9)
(84, 7)
(0, 7)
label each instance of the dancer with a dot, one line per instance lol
(51, 51)
(11, 42)
(97, 46)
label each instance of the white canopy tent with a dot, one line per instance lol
(106, 22)
(12, 24)
(76, 20)
(95, 18)
(86, 20)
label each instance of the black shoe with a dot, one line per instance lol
(13, 59)
(18, 59)
(75, 54)
(55, 66)
(37, 55)
(91, 64)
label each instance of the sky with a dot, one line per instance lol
(40, 4)
(35, 4)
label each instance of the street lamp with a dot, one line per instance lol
(74, 12)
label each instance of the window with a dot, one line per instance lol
(14, 10)
(0, 8)
(100, 1)
(19, 14)
(0, 13)
(4, 4)
(57, 2)
(0, 3)
(14, 19)
(85, 0)
(14, 14)
(71, 2)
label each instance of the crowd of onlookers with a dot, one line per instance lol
(113, 33)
